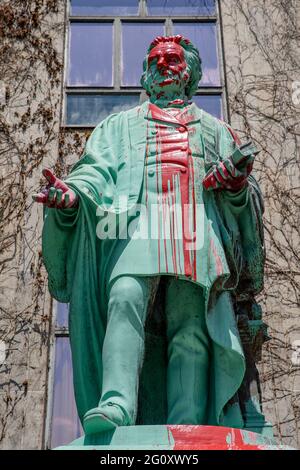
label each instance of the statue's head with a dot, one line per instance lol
(172, 64)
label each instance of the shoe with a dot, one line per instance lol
(104, 418)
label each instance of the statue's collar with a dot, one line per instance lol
(190, 113)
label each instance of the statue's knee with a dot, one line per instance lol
(189, 338)
(125, 293)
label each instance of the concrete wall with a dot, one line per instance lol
(262, 62)
(31, 51)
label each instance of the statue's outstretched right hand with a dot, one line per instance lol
(56, 194)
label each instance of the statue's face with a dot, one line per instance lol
(167, 68)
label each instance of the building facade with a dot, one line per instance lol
(65, 66)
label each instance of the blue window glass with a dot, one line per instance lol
(204, 37)
(104, 7)
(90, 109)
(181, 7)
(62, 315)
(212, 104)
(65, 422)
(136, 38)
(90, 56)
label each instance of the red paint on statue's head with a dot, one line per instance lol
(178, 39)
(169, 57)
(172, 65)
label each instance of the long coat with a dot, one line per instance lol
(109, 176)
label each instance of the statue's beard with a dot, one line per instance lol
(157, 84)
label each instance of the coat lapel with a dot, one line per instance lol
(188, 115)
(132, 155)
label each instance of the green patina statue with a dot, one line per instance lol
(155, 240)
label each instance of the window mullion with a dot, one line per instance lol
(117, 60)
(169, 27)
(221, 57)
(142, 8)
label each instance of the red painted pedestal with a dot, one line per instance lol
(217, 438)
(181, 437)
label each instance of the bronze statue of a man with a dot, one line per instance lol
(162, 201)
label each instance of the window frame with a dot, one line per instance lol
(56, 332)
(117, 87)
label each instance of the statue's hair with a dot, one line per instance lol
(192, 58)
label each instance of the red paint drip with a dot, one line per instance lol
(146, 161)
(176, 102)
(166, 82)
(165, 239)
(184, 189)
(169, 147)
(192, 173)
(157, 190)
(172, 238)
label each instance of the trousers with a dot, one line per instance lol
(188, 351)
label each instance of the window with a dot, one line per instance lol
(181, 7)
(64, 422)
(108, 40)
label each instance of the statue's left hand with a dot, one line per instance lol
(232, 173)
(57, 193)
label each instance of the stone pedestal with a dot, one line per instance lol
(171, 437)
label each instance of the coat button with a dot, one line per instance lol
(182, 129)
(183, 170)
(151, 172)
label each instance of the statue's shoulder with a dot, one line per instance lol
(111, 119)
(134, 111)
(117, 118)
(215, 129)
(212, 123)
(210, 128)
